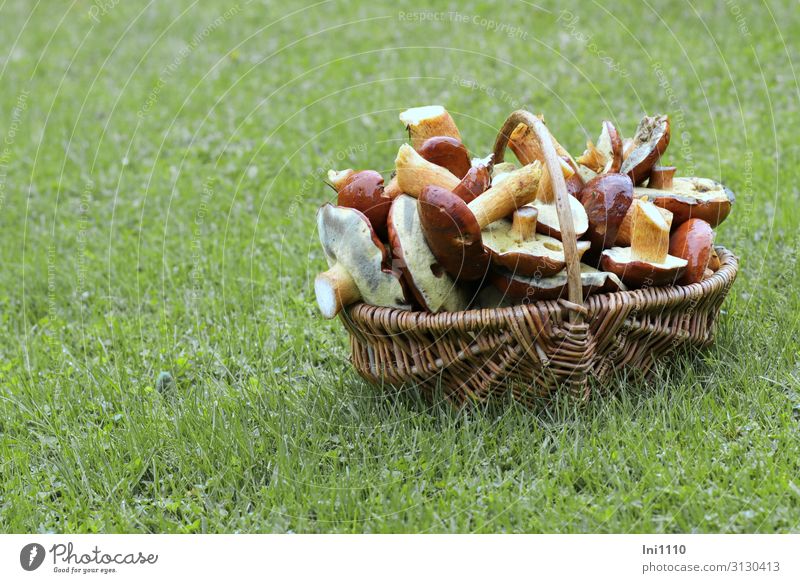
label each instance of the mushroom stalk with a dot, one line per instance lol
(414, 173)
(335, 289)
(650, 236)
(526, 147)
(523, 224)
(661, 177)
(503, 199)
(428, 121)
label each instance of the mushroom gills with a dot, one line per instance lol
(356, 258)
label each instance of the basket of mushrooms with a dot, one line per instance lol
(473, 277)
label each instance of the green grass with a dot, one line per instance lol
(156, 212)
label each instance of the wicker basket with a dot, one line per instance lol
(539, 348)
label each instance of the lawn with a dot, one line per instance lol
(160, 166)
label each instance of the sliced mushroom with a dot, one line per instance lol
(414, 173)
(516, 246)
(518, 288)
(428, 121)
(646, 262)
(698, 198)
(432, 288)
(606, 199)
(357, 259)
(649, 143)
(452, 227)
(606, 156)
(363, 191)
(447, 152)
(693, 241)
(626, 227)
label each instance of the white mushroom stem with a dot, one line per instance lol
(650, 235)
(414, 173)
(428, 121)
(518, 189)
(335, 289)
(523, 224)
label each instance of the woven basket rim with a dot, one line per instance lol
(643, 296)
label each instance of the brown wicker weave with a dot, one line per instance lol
(539, 348)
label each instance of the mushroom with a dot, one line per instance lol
(661, 177)
(502, 171)
(526, 147)
(524, 142)
(431, 287)
(713, 261)
(606, 199)
(518, 288)
(447, 152)
(428, 121)
(357, 260)
(646, 262)
(545, 203)
(476, 181)
(649, 143)
(693, 241)
(625, 228)
(363, 191)
(414, 173)
(606, 156)
(452, 227)
(515, 245)
(698, 198)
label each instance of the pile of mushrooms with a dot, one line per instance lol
(449, 231)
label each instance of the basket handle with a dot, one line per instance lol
(569, 239)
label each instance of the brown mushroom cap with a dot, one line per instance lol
(606, 199)
(357, 259)
(432, 288)
(698, 198)
(692, 241)
(363, 191)
(476, 181)
(649, 142)
(452, 227)
(519, 288)
(453, 234)
(526, 256)
(447, 152)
